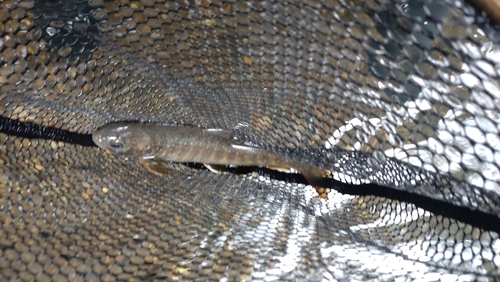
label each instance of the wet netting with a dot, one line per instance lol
(400, 100)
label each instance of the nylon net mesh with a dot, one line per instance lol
(399, 99)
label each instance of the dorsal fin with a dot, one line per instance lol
(224, 133)
(245, 148)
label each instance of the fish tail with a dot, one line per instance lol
(318, 179)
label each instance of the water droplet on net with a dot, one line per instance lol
(374, 164)
(490, 171)
(380, 157)
(475, 134)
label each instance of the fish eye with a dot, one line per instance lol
(116, 144)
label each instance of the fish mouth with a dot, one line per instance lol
(102, 134)
(97, 137)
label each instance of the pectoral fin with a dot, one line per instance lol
(216, 168)
(155, 166)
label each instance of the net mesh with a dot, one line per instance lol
(399, 99)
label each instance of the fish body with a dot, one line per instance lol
(212, 147)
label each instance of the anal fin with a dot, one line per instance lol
(281, 169)
(216, 168)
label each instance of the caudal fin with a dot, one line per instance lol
(318, 179)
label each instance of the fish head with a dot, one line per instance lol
(124, 138)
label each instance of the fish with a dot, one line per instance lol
(490, 7)
(214, 148)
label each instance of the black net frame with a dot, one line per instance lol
(399, 99)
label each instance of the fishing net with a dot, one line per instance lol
(399, 99)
